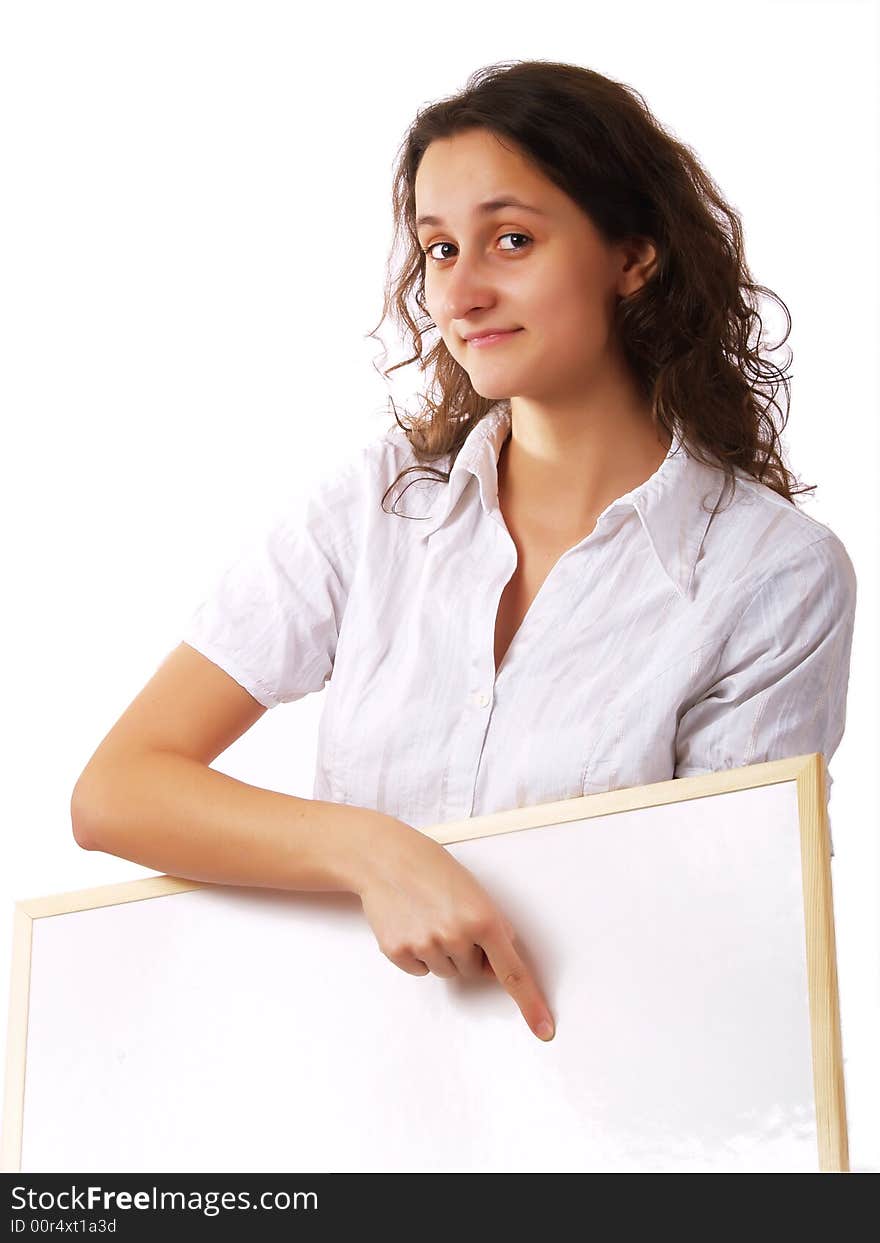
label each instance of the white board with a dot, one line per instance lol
(222, 1029)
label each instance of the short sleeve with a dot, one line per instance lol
(780, 686)
(273, 617)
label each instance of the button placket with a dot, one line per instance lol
(484, 554)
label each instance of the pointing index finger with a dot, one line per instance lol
(513, 975)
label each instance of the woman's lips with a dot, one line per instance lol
(492, 337)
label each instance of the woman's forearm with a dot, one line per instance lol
(176, 815)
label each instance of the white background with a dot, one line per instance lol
(195, 218)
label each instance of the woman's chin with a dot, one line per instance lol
(491, 392)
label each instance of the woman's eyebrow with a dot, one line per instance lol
(485, 208)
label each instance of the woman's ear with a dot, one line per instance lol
(640, 262)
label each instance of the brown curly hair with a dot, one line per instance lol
(686, 333)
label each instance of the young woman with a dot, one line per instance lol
(604, 581)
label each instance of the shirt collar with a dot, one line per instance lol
(674, 504)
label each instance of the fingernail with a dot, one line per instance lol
(545, 1030)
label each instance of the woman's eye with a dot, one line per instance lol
(434, 259)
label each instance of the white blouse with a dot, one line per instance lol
(662, 645)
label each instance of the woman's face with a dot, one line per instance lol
(541, 268)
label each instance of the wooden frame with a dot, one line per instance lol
(808, 771)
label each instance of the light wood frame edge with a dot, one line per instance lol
(808, 771)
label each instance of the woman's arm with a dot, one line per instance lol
(176, 815)
(149, 795)
(779, 687)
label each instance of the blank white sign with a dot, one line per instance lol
(230, 1029)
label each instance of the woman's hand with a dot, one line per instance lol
(429, 913)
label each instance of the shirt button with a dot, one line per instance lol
(480, 698)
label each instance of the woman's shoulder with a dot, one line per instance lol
(359, 468)
(766, 535)
(390, 458)
(351, 494)
(380, 455)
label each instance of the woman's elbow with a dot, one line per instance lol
(82, 819)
